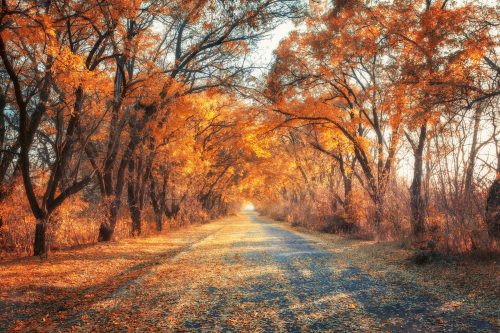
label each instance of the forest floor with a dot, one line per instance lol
(246, 273)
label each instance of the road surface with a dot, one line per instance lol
(251, 275)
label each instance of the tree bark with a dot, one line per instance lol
(347, 180)
(378, 216)
(136, 216)
(492, 211)
(105, 232)
(40, 245)
(132, 193)
(158, 219)
(158, 200)
(107, 227)
(469, 173)
(492, 215)
(417, 202)
(156, 206)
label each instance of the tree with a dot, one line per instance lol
(341, 78)
(54, 91)
(375, 70)
(195, 52)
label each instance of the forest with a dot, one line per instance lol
(121, 118)
(154, 151)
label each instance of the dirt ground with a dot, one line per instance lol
(246, 273)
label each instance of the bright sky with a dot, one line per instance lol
(248, 206)
(267, 46)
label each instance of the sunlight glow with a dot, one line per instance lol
(248, 206)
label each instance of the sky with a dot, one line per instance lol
(267, 46)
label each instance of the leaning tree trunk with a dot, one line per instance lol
(417, 202)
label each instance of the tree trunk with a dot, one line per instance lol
(417, 202)
(159, 220)
(347, 193)
(105, 232)
(378, 216)
(347, 180)
(156, 207)
(492, 215)
(40, 244)
(134, 209)
(136, 216)
(133, 202)
(469, 172)
(158, 200)
(107, 227)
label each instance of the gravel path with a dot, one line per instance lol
(250, 275)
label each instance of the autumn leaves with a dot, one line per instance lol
(142, 108)
(123, 101)
(365, 83)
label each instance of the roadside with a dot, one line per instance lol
(472, 284)
(36, 295)
(244, 273)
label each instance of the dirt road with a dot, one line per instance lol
(249, 275)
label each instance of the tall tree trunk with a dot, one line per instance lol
(40, 244)
(492, 212)
(155, 203)
(113, 186)
(107, 227)
(347, 181)
(132, 193)
(417, 202)
(469, 172)
(378, 216)
(492, 215)
(158, 200)
(114, 193)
